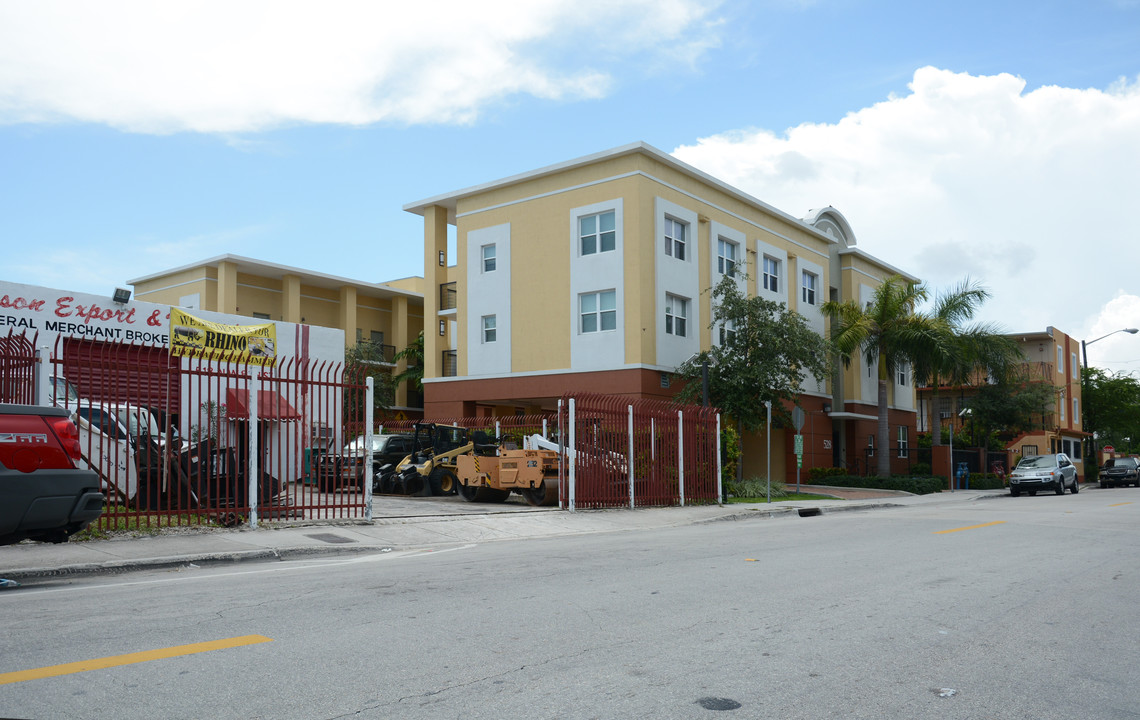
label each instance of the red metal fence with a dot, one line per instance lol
(18, 368)
(638, 452)
(172, 441)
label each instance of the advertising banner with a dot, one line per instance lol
(194, 337)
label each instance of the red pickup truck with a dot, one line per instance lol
(43, 494)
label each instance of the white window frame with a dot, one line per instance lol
(807, 288)
(674, 245)
(598, 234)
(904, 441)
(1063, 404)
(1076, 411)
(726, 265)
(902, 375)
(490, 329)
(1075, 366)
(771, 279)
(870, 446)
(490, 261)
(598, 312)
(1060, 359)
(676, 323)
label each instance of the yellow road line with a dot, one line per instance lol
(1119, 504)
(129, 659)
(971, 527)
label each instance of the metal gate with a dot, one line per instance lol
(198, 441)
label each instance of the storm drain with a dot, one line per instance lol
(330, 538)
(810, 512)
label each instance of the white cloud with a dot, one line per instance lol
(1029, 192)
(217, 66)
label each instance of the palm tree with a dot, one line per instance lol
(965, 349)
(890, 330)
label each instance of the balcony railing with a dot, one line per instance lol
(447, 295)
(450, 363)
(377, 352)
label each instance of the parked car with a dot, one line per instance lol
(346, 469)
(1120, 471)
(44, 493)
(1044, 472)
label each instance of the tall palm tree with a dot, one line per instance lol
(965, 350)
(891, 330)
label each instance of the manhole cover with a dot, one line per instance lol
(330, 538)
(715, 703)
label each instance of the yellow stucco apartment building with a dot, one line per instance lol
(592, 276)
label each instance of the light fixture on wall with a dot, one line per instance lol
(442, 327)
(121, 296)
(442, 258)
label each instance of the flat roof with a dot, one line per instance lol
(261, 268)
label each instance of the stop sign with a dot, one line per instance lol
(1109, 448)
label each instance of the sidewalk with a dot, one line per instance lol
(412, 524)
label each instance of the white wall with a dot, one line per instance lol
(488, 293)
(594, 273)
(680, 278)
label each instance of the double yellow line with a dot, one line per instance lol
(129, 659)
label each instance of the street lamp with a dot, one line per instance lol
(1085, 358)
(1085, 345)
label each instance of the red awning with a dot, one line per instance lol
(270, 405)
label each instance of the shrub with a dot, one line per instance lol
(920, 469)
(916, 485)
(755, 487)
(821, 473)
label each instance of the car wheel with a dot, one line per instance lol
(1104, 484)
(1076, 486)
(1032, 493)
(1014, 491)
(1060, 489)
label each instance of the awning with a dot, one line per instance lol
(270, 405)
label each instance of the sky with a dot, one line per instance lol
(994, 141)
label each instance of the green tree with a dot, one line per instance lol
(1013, 404)
(1110, 401)
(966, 350)
(413, 374)
(765, 354)
(889, 330)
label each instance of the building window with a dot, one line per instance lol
(1076, 411)
(902, 374)
(1075, 366)
(771, 274)
(597, 233)
(489, 332)
(1028, 451)
(726, 257)
(598, 311)
(261, 316)
(675, 238)
(676, 312)
(727, 332)
(904, 444)
(1060, 360)
(488, 258)
(870, 446)
(1076, 454)
(1062, 406)
(810, 281)
(945, 407)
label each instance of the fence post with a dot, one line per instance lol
(571, 456)
(564, 458)
(545, 436)
(366, 456)
(630, 461)
(253, 453)
(681, 455)
(719, 480)
(498, 430)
